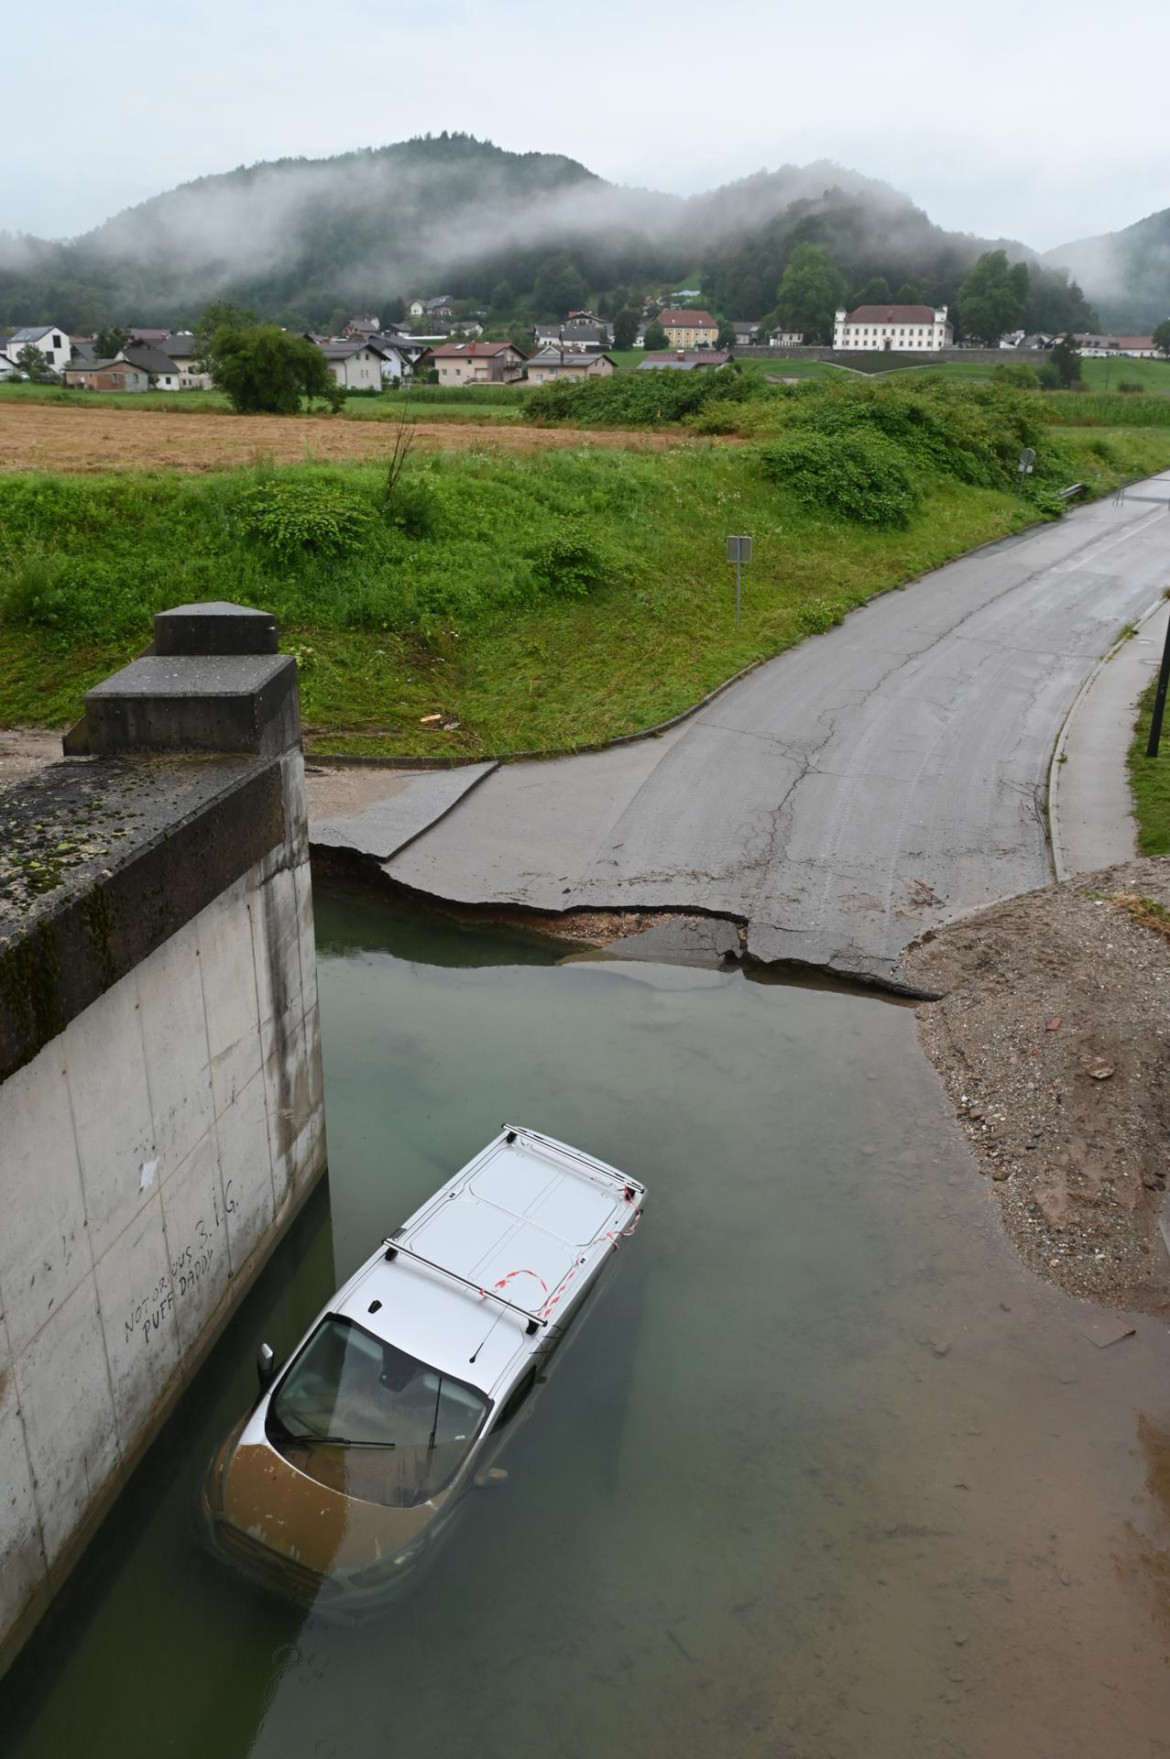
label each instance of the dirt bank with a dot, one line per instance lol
(1053, 1040)
(38, 436)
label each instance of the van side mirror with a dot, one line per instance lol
(265, 1366)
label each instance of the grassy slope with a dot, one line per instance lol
(1150, 781)
(451, 623)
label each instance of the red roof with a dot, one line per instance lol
(480, 349)
(701, 320)
(892, 314)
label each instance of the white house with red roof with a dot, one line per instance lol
(897, 329)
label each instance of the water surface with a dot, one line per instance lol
(825, 1472)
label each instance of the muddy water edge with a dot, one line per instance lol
(826, 1471)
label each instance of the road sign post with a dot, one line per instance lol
(1024, 467)
(739, 551)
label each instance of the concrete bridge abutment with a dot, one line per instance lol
(161, 1097)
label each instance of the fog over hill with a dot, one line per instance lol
(299, 239)
(1126, 273)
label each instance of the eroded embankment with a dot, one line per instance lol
(1052, 1037)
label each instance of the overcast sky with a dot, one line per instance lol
(1045, 124)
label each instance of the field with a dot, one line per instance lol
(538, 587)
(39, 436)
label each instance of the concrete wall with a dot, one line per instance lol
(151, 1153)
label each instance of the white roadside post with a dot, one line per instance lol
(739, 551)
(1027, 460)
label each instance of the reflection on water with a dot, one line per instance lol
(824, 1473)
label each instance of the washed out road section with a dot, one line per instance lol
(873, 781)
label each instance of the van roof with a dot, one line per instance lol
(521, 1223)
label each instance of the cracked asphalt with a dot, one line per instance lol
(875, 780)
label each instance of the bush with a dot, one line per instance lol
(1018, 375)
(818, 615)
(305, 518)
(1131, 388)
(859, 477)
(571, 564)
(413, 507)
(34, 593)
(641, 399)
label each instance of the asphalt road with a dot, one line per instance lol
(877, 779)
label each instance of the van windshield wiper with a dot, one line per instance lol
(307, 1438)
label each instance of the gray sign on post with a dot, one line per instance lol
(739, 551)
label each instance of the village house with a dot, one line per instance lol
(161, 370)
(786, 339)
(362, 328)
(1101, 347)
(577, 331)
(552, 365)
(107, 375)
(899, 329)
(689, 329)
(354, 364)
(154, 335)
(183, 351)
(439, 307)
(53, 343)
(685, 361)
(399, 356)
(746, 334)
(476, 363)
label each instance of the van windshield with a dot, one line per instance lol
(370, 1421)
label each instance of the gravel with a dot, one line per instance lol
(1051, 1037)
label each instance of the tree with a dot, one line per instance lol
(625, 328)
(559, 287)
(909, 293)
(1065, 362)
(32, 362)
(502, 297)
(1162, 338)
(396, 310)
(994, 298)
(221, 314)
(265, 371)
(726, 336)
(875, 292)
(656, 337)
(810, 292)
(110, 341)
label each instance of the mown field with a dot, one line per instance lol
(541, 601)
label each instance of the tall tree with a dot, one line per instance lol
(221, 314)
(994, 297)
(396, 310)
(559, 287)
(625, 328)
(110, 341)
(810, 292)
(265, 371)
(1162, 337)
(656, 338)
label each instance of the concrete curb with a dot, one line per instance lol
(1056, 835)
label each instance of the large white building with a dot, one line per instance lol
(54, 345)
(897, 329)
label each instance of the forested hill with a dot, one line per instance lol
(301, 240)
(1127, 272)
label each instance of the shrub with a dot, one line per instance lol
(571, 564)
(1018, 375)
(856, 477)
(306, 518)
(640, 399)
(33, 590)
(816, 616)
(1131, 388)
(413, 507)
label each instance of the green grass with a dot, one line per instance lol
(1150, 781)
(177, 402)
(544, 599)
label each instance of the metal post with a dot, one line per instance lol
(1159, 700)
(739, 579)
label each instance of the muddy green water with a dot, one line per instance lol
(826, 1474)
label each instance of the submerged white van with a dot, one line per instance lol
(402, 1393)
